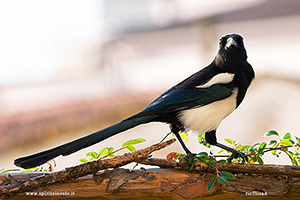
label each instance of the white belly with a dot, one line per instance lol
(209, 117)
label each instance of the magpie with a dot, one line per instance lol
(198, 103)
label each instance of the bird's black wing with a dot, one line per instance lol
(177, 99)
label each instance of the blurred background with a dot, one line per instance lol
(69, 68)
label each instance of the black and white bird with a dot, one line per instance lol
(198, 103)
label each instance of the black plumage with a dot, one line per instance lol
(198, 103)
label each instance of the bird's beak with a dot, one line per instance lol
(230, 41)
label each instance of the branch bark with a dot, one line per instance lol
(79, 171)
(168, 183)
(274, 170)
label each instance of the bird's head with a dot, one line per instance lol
(231, 49)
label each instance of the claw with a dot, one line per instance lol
(189, 156)
(236, 155)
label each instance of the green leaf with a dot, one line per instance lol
(272, 143)
(287, 136)
(239, 147)
(261, 148)
(26, 170)
(201, 140)
(211, 183)
(184, 138)
(228, 175)
(259, 160)
(103, 151)
(88, 154)
(295, 163)
(291, 153)
(228, 140)
(202, 154)
(285, 143)
(221, 161)
(180, 155)
(221, 151)
(254, 158)
(130, 148)
(40, 169)
(269, 133)
(83, 160)
(298, 139)
(191, 160)
(191, 164)
(204, 160)
(206, 145)
(10, 170)
(110, 151)
(223, 180)
(211, 163)
(243, 148)
(254, 146)
(284, 149)
(278, 154)
(94, 155)
(211, 158)
(131, 142)
(33, 169)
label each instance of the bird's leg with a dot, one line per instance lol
(176, 131)
(210, 138)
(187, 151)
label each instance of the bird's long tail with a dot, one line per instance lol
(71, 147)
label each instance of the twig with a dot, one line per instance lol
(165, 137)
(274, 148)
(113, 152)
(266, 150)
(287, 154)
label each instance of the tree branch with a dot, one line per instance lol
(291, 171)
(81, 170)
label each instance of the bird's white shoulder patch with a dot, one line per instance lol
(219, 78)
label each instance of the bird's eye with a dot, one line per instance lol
(222, 41)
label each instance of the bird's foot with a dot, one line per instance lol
(237, 154)
(190, 161)
(189, 156)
